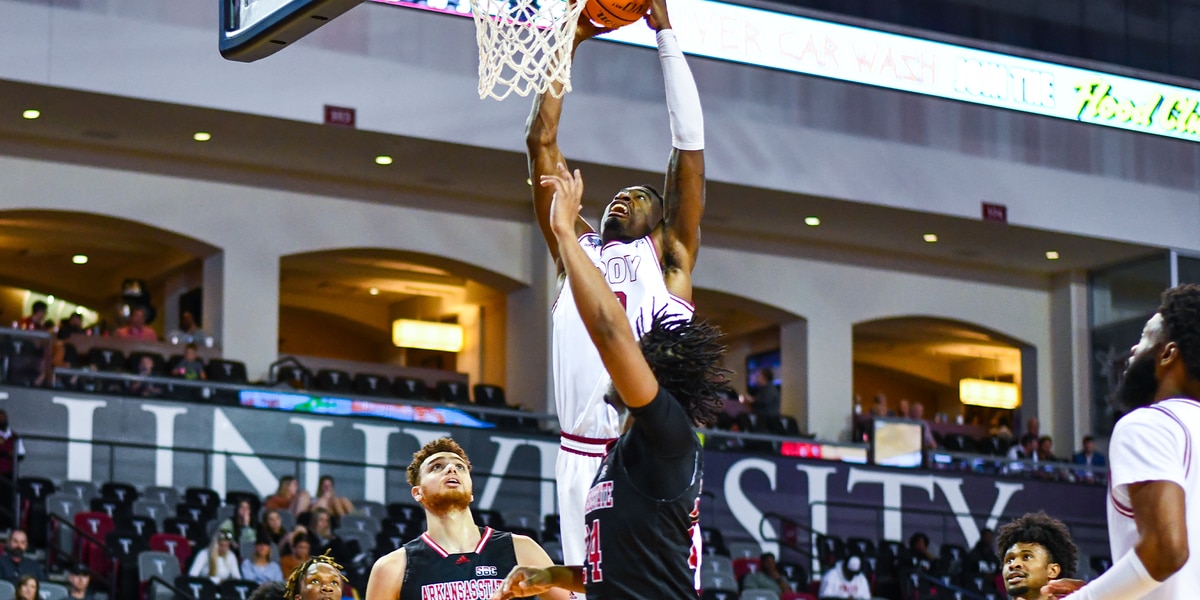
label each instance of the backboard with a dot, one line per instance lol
(254, 29)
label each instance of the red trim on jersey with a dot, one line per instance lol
(1187, 438)
(483, 540)
(581, 452)
(1121, 508)
(585, 440)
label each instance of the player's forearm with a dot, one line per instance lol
(599, 309)
(567, 578)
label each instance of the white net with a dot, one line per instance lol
(524, 45)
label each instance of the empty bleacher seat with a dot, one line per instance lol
(23, 359)
(783, 425)
(294, 375)
(122, 492)
(165, 566)
(48, 590)
(713, 542)
(744, 550)
(142, 526)
(176, 546)
(490, 395)
(360, 523)
(202, 588)
(237, 589)
(453, 392)
(371, 384)
(717, 564)
(333, 380)
(110, 506)
(166, 495)
(409, 388)
(106, 359)
(225, 371)
(84, 490)
(371, 508)
(759, 595)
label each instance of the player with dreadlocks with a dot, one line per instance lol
(1035, 549)
(642, 511)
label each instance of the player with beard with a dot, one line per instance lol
(1035, 549)
(642, 511)
(1154, 495)
(454, 559)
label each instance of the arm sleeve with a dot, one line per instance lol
(199, 564)
(1151, 446)
(683, 100)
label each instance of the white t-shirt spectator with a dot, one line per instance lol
(835, 585)
(227, 567)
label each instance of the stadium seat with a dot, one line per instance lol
(489, 395)
(490, 518)
(742, 566)
(744, 550)
(237, 589)
(712, 542)
(23, 359)
(166, 495)
(370, 508)
(7, 590)
(453, 392)
(34, 491)
(794, 573)
(113, 507)
(206, 497)
(830, 549)
(357, 541)
(48, 590)
(294, 375)
(202, 588)
(134, 361)
(233, 498)
(554, 549)
(151, 509)
(387, 541)
(91, 550)
(119, 491)
(717, 564)
(371, 384)
(106, 359)
(711, 581)
(124, 546)
(174, 545)
(165, 566)
(409, 388)
(225, 371)
(1100, 564)
(405, 511)
(84, 490)
(759, 595)
(951, 557)
(714, 594)
(785, 425)
(333, 380)
(360, 523)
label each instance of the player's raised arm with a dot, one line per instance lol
(602, 314)
(683, 195)
(387, 576)
(541, 143)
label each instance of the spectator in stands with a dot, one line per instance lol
(137, 329)
(35, 319)
(301, 552)
(766, 401)
(70, 326)
(27, 588)
(902, 409)
(918, 552)
(1045, 450)
(324, 540)
(275, 590)
(79, 578)
(845, 580)
(1088, 455)
(289, 497)
(191, 367)
(1001, 427)
(143, 388)
(217, 561)
(1033, 426)
(327, 498)
(272, 529)
(879, 407)
(14, 564)
(189, 332)
(244, 527)
(259, 567)
(1035, 549)
(982, 557)
(917, 412)
(766, 577)
(12, 451)
(1026, 449)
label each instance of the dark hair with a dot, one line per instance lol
(1180, 312)
(273, 590)
(1046, 531)
(1028, 437)
(1045, 438)
(38, 306)
(683, 356)
(439, 445)
(768, 374)
(25, 578)
(1088, 438)
(912, 540)
(294, 580)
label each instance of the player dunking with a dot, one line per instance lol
(1154, 494)
(453, 558)
(647, 247)
(642, 508)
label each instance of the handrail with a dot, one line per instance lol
(52, 543)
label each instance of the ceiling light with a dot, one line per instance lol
(50, 299)
(812, 221)
(1051, 255)
(79, 259)
(428, 335)
(930, 237)
(31, 113)
(373, 291)
(202, 136)
(383, 159)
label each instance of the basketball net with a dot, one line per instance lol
(524, 45)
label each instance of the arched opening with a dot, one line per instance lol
(85, 260)
(915, 366)
(341, 304)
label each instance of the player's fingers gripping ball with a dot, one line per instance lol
(612, 14)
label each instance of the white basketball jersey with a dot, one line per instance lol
(1156, 443)
(580, 380)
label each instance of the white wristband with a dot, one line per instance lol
(683, 100)
(1125, 579)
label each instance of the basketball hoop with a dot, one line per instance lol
(524, 45)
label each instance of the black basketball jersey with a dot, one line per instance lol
(638, 546)
(431, 573)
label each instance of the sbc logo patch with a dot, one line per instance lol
(485, 571)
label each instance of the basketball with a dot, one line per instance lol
(615, 13)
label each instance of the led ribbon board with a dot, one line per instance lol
(811, 47)
(323, 405)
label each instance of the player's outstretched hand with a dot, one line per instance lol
(1061, 588)
(568, 197)
(523, 582)
(656, 16)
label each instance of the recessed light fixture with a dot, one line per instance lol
(202, 136)
(930, 237)
(373, 291)
(31, 113)
(812, 221)
(383, 159)
(79, 259)
(1051, 255)
(50, 299)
